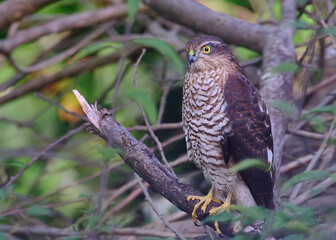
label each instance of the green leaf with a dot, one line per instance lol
(4, 236)
(294, 237)
(71, 238)
(106, 152)
(324, 109)
(318, 124)
(280, 220)
(165, 49)
(133, 6)
(255, 213)
(146, 102)
(315, 175)
(284, 106)
(299, 25)
(298, 227)
(14, 163)
(286, 67)
(301, 213)
(89, 50)
(220, 217)
(328, 30)
(38, 211)
(249, 163)
(333, 176)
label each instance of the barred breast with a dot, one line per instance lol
(205, 124)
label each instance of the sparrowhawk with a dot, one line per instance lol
(225, 121)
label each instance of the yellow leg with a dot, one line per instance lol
(206, 200)
(221, 209)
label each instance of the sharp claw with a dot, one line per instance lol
(197, 224)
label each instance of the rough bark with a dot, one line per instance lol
(200, 18)
(278, 49)
(143, 161)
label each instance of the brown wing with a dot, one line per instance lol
(249, 135)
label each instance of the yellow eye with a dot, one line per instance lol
(206, 49)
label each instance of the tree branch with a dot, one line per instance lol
(79, 68)
(143, 161)
(200, 18)
(278, 49)
(14, 10)
(65, 23)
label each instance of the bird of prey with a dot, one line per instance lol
(225, 121)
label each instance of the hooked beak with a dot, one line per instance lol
(192, 57)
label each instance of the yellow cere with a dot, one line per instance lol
(191, 53)
(206, 49)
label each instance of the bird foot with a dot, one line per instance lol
(205, 200)
(223, 208)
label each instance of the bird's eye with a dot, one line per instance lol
(206, 49)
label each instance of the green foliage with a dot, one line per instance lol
(284, 106)
(133, 6)
(71, 238)
(164, 49)
(91, 49)
(36, 211)
(249, 163)
(286, 67)
(328, 30)
(106, 152)
(300, 25)
(314, 175)
(224, 217)
(323, 109)
(144, 100)
(244, 53)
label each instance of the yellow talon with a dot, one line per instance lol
(221, 209)
(206, 200)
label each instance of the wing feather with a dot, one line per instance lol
(250, 135)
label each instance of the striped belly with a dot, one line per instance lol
(206, 152)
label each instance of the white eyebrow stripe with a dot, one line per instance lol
(213, 42)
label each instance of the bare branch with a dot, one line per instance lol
(45, 63)
(41, 154)
(14, 10)
(200, 18)
(79, 68)
(65, 23)
(331, 133)
(143, 161)
(150, 201)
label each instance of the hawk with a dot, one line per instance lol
(225, 121)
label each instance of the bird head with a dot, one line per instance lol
(208, 53)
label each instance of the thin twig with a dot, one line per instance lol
(316, 157)
(71, 185)
(295, 164)
(150, 201)
(157, 141)
(41, 154)
(149, 128)
(40, 95)
(45, 63)
(122, 61)
(102, 189)
(312, 192)
(322, 84)
(163, 101)
(306, 134)
(157, 127)
(143, 51)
